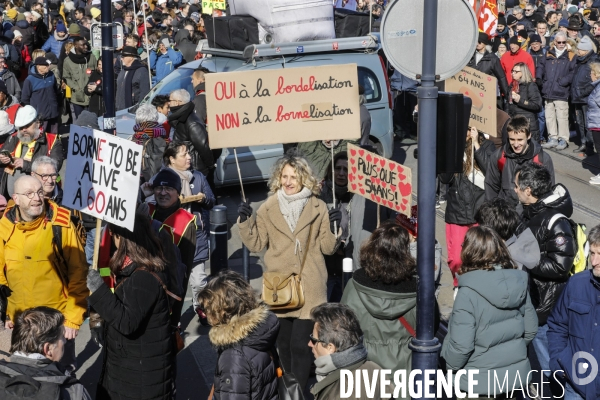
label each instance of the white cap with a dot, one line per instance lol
(25, 116)
(347, 264)
(17, 33)
(36, 14)
(162, 1)
(5, 126)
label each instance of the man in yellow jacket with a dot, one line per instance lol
(35, 269)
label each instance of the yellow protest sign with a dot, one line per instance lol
(209, 5)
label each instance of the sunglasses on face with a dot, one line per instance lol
(314, 340)
(561, 42)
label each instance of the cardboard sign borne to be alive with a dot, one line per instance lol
(102, 171)
(481, 88)
(378, 179)
(282, 106)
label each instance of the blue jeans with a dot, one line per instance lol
(541, 123)
(540, 344)
(571, 394)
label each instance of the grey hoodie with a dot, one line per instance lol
(524, 249)
(492, 323)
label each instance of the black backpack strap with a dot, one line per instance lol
(59, 254)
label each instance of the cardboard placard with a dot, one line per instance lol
(378, 179)
(481, 88)
(282, 106)
(102, 171)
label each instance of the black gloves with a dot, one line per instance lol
(245, 211)
(4, 295)
(97, 328)
(335, 216)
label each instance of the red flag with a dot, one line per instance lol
(488, 17)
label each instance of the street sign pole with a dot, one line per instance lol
(108, 71)
(425, 345)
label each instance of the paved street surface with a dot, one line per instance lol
(196, 362)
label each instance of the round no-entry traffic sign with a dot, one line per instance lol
(402, 36)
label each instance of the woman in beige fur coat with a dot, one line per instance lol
(293, 224)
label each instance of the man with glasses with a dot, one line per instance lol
(337, 344)
(21, 150)
(555, 72)
(44, 169)
(191, 130)
(44, 261)
(518, 13)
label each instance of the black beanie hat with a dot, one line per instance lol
(514, 40)
(167, 177)
(484, 38)
(502, 21)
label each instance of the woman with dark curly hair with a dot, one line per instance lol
(492, 320)
(383, 295)
(244, 332)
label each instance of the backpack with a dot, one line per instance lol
(45, 386)
(502, 161)
(152, 157)
(25, 387)
(582, 245)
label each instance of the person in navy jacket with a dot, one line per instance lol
(573, 332)
(40, 92)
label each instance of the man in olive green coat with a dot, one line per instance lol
(318, 154)
(76, 72)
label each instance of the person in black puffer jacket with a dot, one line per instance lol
(192, 131)
(138, 356)
(244, 332)
(546, 209)
(541, 202)
(466, 192)
(525, 98)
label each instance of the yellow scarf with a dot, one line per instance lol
(29, 154)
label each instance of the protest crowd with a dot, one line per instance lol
(526, 276)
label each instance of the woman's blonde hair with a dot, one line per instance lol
(595, 68)
(38, 53)
(526, 76)
(304, 173)
(226, 296)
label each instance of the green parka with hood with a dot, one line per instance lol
(378, 307)
(492, 323)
